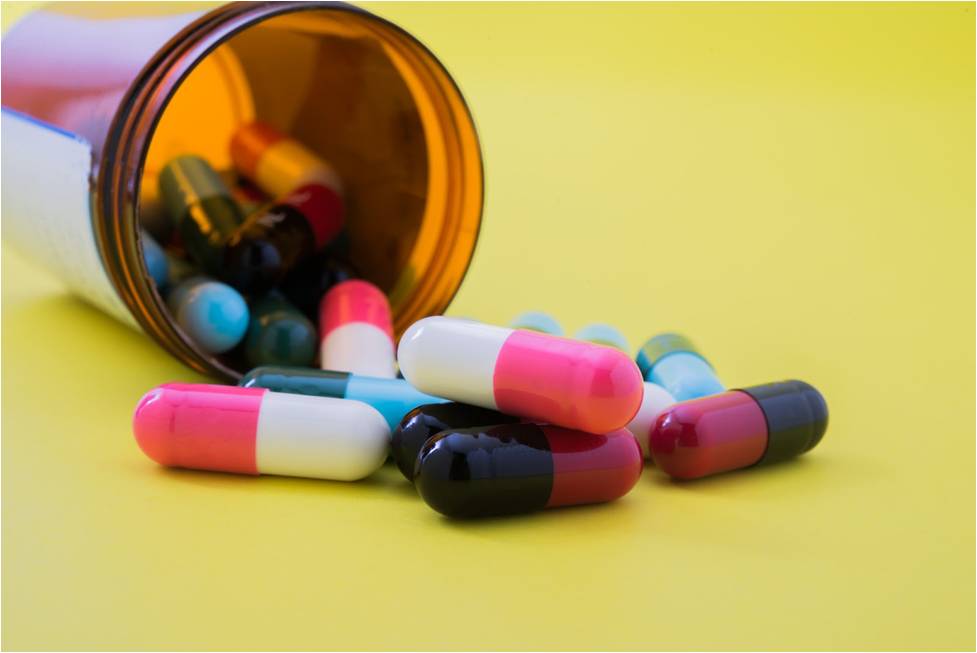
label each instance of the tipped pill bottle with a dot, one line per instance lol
(97, 97)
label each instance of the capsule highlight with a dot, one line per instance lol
(513, 468)
(356, 330)
(673, 362)
(537, 376)
(758, 425)
(424, 422)
(392, 398)
(255, 431)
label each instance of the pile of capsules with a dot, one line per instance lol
(243, 276)
(486, 420)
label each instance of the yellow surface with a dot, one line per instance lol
(790, 185)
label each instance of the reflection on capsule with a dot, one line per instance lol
(276, 163)
(654, 403)
(672, 361)
(424, 422)
(392, 398)
(202, 208)
(752, 426)
(537, 321)
(356, 330)
(514, 468)
(604, 334)
(279, 334)
(212, 314)
(537, 376)
(274, 240)
(254, 431)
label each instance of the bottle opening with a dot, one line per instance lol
(364, 96)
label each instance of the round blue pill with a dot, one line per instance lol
(537, 321)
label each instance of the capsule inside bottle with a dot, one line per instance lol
(514, 468)
(758, 425)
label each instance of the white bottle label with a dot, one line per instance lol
(46, 206)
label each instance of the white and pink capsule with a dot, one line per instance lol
(537, 376)
(256, 431)
(356, 330)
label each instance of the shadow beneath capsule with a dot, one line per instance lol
(384, 478)
(618, 509)
(812, 470)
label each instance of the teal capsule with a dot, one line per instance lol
(673, 362)
(279, 334)
(604, 334)
(393, 398)
(537, 321)
(212, 314)
(155, 258)
(202, 208)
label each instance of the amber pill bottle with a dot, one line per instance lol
(97, 97)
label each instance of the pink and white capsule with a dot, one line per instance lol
(654, 403)
(537, 376)
(256, 431)
(356, 330)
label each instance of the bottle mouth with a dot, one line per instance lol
(352, 87)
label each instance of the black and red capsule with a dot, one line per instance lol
(424, 422)
(514, 468)
(758, 425)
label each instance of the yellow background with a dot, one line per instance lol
(790, 185)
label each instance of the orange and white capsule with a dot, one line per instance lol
(278, 164)
(356, 330)
(255, 431)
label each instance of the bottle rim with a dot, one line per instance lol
(119, 173)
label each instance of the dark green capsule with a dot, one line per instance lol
(279, 334)
(202, 207)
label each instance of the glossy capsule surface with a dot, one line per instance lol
(673, 362)
(279, 334)
(392, 398)
(513, 468)
(752, 426)
(202, 207)
(274, 240)
(212, 314)
(276, 163)
(537, 321)
(423, 422)
(532, 375)
(356, 330)
(655, 401)
(604, 334)
(255, 431)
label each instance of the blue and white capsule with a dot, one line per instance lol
(392, 398)
(155, 258)
(604, 334)
(537, 321)
(673, 362)
(212, 314)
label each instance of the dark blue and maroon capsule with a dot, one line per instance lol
(758, 425)
(514, 468)
(424, 422)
